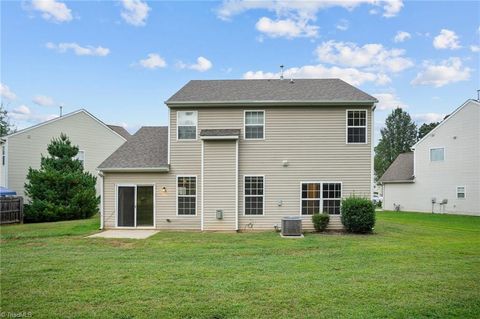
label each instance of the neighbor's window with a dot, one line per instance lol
(357, 127)
(81, 157)
(4, 155)
(332, 196)
(186, 195)
(254, 125)
(254, 192)
(310, 198)
(460, 192)
(437, 154)
(187, 125)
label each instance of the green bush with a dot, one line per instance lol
(320, 221)
(358, 214)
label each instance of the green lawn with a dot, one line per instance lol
(414, 266)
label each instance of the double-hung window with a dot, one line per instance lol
(186, 195)
(356, 126)
(81, 157)
(461, 192)
(187, 125)
(321, 197)
(254, 125)
(437, 154)
(4, 155)
(253, 192)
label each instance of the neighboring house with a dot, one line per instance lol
(23, 149)
(442, 174)
(242, 154)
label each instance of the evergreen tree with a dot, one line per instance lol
(398, 136)
(5, 126)
(60, 189)
(426, 128)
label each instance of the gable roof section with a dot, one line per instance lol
(146, 150)
(274, 92)
(120, 130)
(401, 170)
(448, 117)
(61, 118)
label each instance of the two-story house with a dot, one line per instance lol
(242, 154)
(442, 174)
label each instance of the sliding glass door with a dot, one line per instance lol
(135, 206)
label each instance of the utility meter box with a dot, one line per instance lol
(219, 213)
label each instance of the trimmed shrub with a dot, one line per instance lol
(320, 221)
(358, 214)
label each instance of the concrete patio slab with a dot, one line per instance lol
(125, 233)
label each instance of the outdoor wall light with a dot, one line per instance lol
(164, 189)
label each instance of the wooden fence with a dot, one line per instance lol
(11, 209)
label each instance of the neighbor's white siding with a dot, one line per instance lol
(25, 148)
(460, 136)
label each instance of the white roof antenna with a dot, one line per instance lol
(281, 72)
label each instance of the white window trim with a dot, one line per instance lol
(4, 155)
(196, 195)
(135, 204)
(196, 127)
(245, 125)
(464, 192)
(84, 157)
(436, 148)
(244, 196)
(347, 127)
(321, 195)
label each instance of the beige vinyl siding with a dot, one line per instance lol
(25, 148)
(219, 184)
(165, 202)
(311, 139)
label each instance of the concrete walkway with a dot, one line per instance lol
(125, 233)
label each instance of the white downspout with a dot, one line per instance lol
(236, 185)
(201, 174)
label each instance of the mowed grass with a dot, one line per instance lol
(414, 266)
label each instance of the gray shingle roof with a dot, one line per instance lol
(238, 91)
(400, 170)
(220, 132)
(148, 148)
(120, 130)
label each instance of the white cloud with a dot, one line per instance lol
(43, 100)
(448, 71)
(402, 36)
(23, 113)
(77, 49)
(202, 65)
(388, 101)
(447, 39)
(287, 28)
(343, 25)
(475, 48)
(428, 117)
(135, 12)
(350, 75)
(370, 55)
(6, 93)
(306, 9)
(52, 10)
(153, 61)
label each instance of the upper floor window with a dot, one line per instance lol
(460, 192)
(437, 154)
(187, 125)
(356, 126)
(81, 157)
(4, 155)
(254, 125)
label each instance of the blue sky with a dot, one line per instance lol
(122, 59)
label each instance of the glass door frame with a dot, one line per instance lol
(117, 186)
